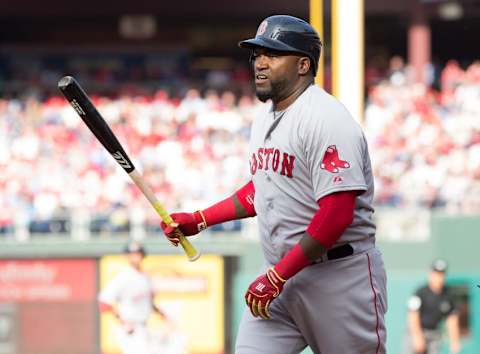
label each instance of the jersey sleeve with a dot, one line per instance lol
(336, 151)
(110, 294)
(414, 303)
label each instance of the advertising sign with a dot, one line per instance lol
(190, 294)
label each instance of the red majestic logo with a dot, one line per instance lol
(337, 180)
(274, 159)
(331, 162)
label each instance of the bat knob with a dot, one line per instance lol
(65, 81)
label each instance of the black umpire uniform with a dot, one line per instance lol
(433, 307)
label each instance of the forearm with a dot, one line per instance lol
(453, 328)
(414, 324)
(238, 206)
(327, 226)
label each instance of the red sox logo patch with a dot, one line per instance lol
(331, 162)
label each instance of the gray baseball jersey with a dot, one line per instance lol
(131, 290)
(316, 148)
(297, 156)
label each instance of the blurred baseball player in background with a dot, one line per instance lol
(130, 297)
(311, 188)
(428, 307)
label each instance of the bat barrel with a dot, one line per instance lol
(84, 107)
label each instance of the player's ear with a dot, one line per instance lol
(303, 65)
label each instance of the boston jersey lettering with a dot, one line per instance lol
(272, 159)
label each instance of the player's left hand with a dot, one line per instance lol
(263, 291)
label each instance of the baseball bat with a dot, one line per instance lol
(82, 104)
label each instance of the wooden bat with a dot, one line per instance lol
(82, 104)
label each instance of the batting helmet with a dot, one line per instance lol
(288, 34)
(134, 247)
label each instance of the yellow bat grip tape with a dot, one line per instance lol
(190, 251)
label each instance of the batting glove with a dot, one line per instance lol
(188, 223)
(263, 291)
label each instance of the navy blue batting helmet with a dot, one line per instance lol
(288, 34)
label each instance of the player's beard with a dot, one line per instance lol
(274, 92)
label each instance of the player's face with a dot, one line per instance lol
(135, 259)
(276, 73)
(437, 280)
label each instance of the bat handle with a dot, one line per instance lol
(190, 251)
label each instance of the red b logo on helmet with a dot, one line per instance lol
(262, 28)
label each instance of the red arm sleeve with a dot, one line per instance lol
(333, 217)
(238, 206)
(327, 225)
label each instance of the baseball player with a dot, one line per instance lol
(311, 188)
(129, 296)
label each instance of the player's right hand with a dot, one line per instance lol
(188, 223)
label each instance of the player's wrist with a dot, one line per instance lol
(292, 263)
(200, 220)
(274, 277)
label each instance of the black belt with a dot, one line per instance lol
(337, 253)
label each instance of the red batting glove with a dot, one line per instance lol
(263, 291)
(188, 223)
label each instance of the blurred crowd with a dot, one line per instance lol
(191, 151)
(425, 148)
(425, 143)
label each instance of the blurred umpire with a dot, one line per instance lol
(427, 308)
